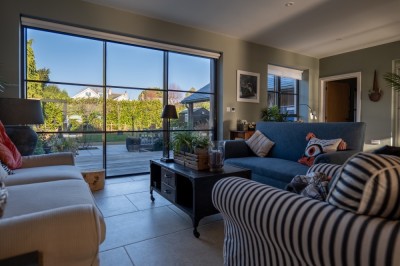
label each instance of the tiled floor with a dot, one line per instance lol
(142, 232)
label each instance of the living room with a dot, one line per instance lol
(235, 54)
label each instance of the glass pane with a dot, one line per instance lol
(129, 153)
(288, 103)
(133, 66)
(288, 85)
(68, 108)
(272, 99)
(125, 113)
(87, 147)
(188, 73)
(63, 58)
(271, 83)
(196, 115)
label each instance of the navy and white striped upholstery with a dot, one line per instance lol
(269, 226)
(326, 168)
(368, 184)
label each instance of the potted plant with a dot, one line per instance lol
(191, 150)
(273, 114)
(393, 80)
(200, 144)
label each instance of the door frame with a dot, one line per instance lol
(323, 82)
(395, 140)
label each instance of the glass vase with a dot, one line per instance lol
(216, 156)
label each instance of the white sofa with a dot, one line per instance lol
(50, 210)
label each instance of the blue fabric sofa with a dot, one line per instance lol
(280, 165)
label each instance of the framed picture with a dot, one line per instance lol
(248, 87)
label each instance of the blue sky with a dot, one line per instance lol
(80, 60)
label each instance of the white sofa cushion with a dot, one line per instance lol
(43, 174)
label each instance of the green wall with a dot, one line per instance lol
(236, 54)
(377, 115)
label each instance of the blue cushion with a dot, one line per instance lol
(272, 168)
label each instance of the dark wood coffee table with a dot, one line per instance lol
(188, 189)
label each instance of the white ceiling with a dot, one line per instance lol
(318, 28)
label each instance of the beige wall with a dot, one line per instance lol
(377, 115)
(236, 54)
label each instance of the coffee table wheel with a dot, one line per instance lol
(196, 233)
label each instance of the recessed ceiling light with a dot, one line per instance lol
(289, 4)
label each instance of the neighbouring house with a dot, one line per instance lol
(97, 93)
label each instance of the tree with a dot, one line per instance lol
(34, 89)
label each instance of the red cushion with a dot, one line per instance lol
(9, 154)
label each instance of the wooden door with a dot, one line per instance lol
(337, 102)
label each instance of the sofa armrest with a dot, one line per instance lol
(63, 236)
(237, 148)
(268, 226)
(339, 157)
(60, 158)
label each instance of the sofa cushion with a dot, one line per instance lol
(30, 198)
(260, 144)
(368, 184)
(272, 168)
(9, 154)
(43, 174)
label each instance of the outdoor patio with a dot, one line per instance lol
(119, 161)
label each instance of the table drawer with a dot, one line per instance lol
(168, 177)
(168, 192)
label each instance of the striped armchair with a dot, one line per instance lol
(268, 226)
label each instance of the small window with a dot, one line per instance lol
(284, 93)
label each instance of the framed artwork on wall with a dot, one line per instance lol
(248, 87)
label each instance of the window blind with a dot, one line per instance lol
(285, 72)
(47, 25)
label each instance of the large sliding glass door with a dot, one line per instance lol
(103, 100)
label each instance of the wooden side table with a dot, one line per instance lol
(238, 134)
(94, 178)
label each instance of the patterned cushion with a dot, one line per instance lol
(5, 168)
(368, 184)
(260, 144)
(3, 197)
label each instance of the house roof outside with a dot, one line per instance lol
(203, 96)
(97, 93)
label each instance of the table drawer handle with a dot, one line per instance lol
(167, 191)
(167, 176)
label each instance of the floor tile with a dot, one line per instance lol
(181, 248)
(115, 257)
(122, 188)
(115, 180)
(142, 200)
(115, 205)
(141, 177)
(141, 225)
(205, 220)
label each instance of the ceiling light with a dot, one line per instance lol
(289, 4)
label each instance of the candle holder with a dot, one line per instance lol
(216, 156)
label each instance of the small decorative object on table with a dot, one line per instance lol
(252, 126)
(216, 156)
(242, 125)
(94, 178)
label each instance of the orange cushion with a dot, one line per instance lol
(9, 154)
